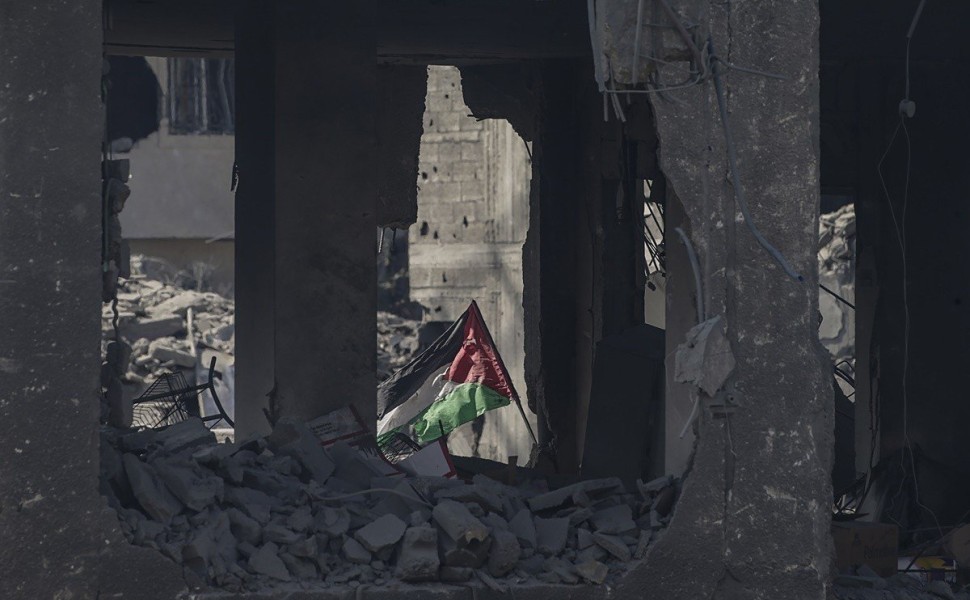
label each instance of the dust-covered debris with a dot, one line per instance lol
(266, 512)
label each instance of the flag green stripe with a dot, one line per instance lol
(463, 404)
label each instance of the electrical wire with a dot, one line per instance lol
(735, 177)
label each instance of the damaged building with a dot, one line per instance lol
(718, 245)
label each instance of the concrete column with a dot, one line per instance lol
(255, 215)
(326, 195)
(770, 455)
(51, 124)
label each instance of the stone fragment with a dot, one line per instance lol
(471, 493)
(643, 543)
(551, 535)
(616, 520)
(593, 571)
(472, 554)
(304, 548)
(243, 527)
(196, 491)
(613, 545)
(164, 351)
(418, 560)
(563, 569)
(532, 565)
(504, 553)
(301, 519)
(152, 329)
(490, 583)
(184, 434)
(291, 437)
(180, 303)
(524, 528)
(279, 534)
(455, 520)
(380, 534)
(301, 568)
(558, 497)
(356, 553)
(495, 522)
(266, 561)
(154, 497)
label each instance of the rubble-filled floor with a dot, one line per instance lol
(284, 511)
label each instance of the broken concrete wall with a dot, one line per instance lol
(741, 509)
(467, 243)
(58, 537)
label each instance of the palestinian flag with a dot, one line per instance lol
(459, 377)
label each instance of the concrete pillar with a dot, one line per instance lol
(51, 125)
(255, 215)
(326, 194)
(780, 392)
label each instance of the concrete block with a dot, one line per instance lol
(152, 329)
(593, 571)
(244, 527)
(291, 437)
(524, 528)
(551, 535)
(165, 351)
(266, 561)
(152, 496)
(279, 534)
(559, 497)
(471, 554)
(458, 523)
(382, 533)
(562, 569)
(643, 543)
(299, 567)
(332, 521)
(615, 520)
(584, 538)
(504, 553)
(355, 553)
(185, 434)
(614, 545)
(418, 559)
(194, 490)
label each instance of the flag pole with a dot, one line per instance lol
(528, 425)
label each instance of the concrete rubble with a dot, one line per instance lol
(277, 511)
(836, 271)
(153, 304)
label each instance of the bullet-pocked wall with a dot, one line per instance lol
(473, 215)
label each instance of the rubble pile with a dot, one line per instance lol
(397, 343)
(836, 271)
(153, 306)
(153, 320)
(866, 584)
(285, 510)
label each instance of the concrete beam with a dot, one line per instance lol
(413, 32)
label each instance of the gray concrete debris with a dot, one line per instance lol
(524, 528)
(380, 534)
(551, 535)
(455, 520)
(152, 495)
(563, 495)
(355, 553)
(593, 571)
(705, 359)
(256, 513)
(504, 553)
(419, 560)
(266, 561)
